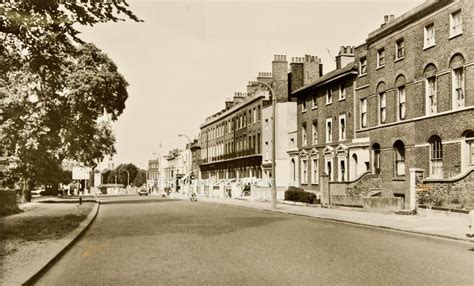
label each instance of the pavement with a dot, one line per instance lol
(442, 224)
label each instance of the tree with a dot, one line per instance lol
(140, 179)
(137, 176)
(59, 94)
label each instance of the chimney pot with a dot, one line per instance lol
(385, 18)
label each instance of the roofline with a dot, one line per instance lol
(326, 81)
(231, 110)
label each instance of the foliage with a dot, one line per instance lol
(299, 195)
(137, 176)
(59, 95)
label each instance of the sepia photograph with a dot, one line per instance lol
(236, 142)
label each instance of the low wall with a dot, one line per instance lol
(265, 193)
(456, 192)
(354, 201)
(7, 198)
(379, 204)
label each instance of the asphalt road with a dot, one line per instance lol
(182, 243)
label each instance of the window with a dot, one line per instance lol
(315, 103)
(315, 172)
(436, 157)
(258, 143)
(254, 115)
(342, 170)
(363, 112)
(259, 113)
(328, 96)
(376, 150)
(342, 92)
(303, 108)
(342, 127)
(458, 88)
(381, 58)
(328, 168)
(363, 66)
(383, 107)
(455, 24)
(399, 158)
(315, 132)
(304, 135)
(431, 104)
(304, 171)
(400, 48)
(401, 91)
(429, 36)
(250, 117)
(329, 130)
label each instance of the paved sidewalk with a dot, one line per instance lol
(426, 222)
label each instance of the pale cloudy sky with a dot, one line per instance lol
(189, 56)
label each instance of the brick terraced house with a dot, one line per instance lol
(415, 98)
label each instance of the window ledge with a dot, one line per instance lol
(314, 108)
(342, 99)
(380, 67)
(428, 47)
(328, 103)
(362, 75)
(304, 111)
(454, 36)
(399, 59)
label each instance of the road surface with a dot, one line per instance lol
(183, 243)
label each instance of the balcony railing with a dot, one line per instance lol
(231, 155)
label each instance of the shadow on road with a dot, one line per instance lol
(136, 201)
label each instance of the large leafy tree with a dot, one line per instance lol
(59, 95)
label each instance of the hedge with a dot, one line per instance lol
(299, 195)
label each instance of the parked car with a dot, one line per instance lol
(143, 192)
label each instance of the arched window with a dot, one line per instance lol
(457, 75)
(436, 157)
(376, 160)
(355, 164)
(469, 153)
(430, 89)
(382, 103)
(401, 97)
(399, 148)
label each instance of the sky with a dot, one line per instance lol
(187, 57)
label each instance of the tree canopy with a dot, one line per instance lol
(59, 95)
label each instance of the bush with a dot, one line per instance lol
(299, 195)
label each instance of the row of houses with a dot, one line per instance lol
(396, 113)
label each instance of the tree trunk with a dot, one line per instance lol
(26, 192)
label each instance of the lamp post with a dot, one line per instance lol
(274, 190)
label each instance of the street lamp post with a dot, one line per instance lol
(274, 190)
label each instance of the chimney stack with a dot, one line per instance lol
(345, 56)
(280, 78)
(229, 103)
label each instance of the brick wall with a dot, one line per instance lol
(458, 193)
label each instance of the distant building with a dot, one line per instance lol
(153, 174)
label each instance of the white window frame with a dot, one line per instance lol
(429, 39)
(304, 171)
(315, 132)
(436, 159)
(401, 102)
(382, 107)
(303, 106)
(328, 96)
(342, 92)
(431, 97)
(363, 112)
(340, 176)
(380, 58)
(326, 161)
(363, 66)
(400, 46)
(342, 131)
(304, 135)
(455, 28)
(315, 102)
(314, 171)
(458, 84)
(329, 131)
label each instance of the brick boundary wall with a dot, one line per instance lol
(457, 192)
(352, 193)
